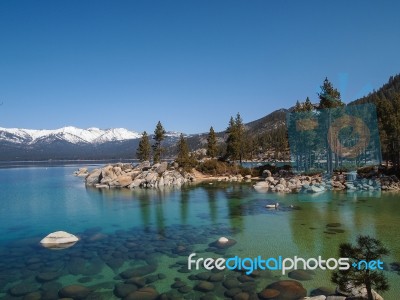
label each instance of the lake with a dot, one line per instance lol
(150, 233)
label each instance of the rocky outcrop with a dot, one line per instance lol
(142, 175)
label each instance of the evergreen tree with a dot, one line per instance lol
(183, 158)
(231, 140)
(329, 96)
(308, 106)
(212, 148)
(329, 99)
(367, 249)
(143, 151)
(159, 135)
(240, 130)
(235, 141)
(298, 106)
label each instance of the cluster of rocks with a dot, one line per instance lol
(315, 184)
(390, 183)
(232, 178)
(143, 175)
(288, 184)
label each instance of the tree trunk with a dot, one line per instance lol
(368, 287)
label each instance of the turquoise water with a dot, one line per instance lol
(123, 229)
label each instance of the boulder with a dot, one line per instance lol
(322, 291)
(162, 167)
(136, 183)
(122, 290)
(204, 286)
(146, 293)
(74, 291)
(270, 179)
(82, 172)
(280, 187)
(123, 181)
(118, 171)
(143, 165)
(261, 185)
(59, 239)
(266, 174)
(288, 289)
(301, 275)
(151, 177)
(268, 294)
(94, 177)
(223, 243)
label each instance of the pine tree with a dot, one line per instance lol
(235, 141)
(308, 106)
(212, 148)
(240, 136)
(143, 151)
(298, 106)
(368, 249)
(231, 140)
(159, 135)
(183, 158)
(329, 96)
(329, 99)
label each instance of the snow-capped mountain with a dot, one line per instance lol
(74, 143)
(68, 134)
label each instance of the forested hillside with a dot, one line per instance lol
(387, 101)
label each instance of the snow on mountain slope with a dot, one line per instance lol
(70, 134)
(117, 134)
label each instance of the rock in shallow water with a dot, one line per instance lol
(288, 289)
(23, 288)
(301, 275)
(75, 292)
(223, 243)
(59, 239)
(204, 286)
(146, 293)
(122, 290)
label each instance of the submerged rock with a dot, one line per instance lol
(301, 275)
(146, 293)
(288, 289)
(74, 291)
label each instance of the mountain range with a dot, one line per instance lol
(71, 143)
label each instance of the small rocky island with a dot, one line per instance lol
(144, 175)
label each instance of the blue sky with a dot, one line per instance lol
(190, 64)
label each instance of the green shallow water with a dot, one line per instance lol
(122, 229)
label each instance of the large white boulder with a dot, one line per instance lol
(59, 237)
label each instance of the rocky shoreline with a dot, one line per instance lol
(145, 175)
(318, 183)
